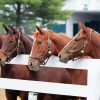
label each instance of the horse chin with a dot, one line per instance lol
(3, 59)
(2, 64)
(64, 60)
(33, 68)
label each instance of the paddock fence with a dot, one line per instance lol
(91, 90)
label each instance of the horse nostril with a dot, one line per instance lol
(0, 59)
(59, 56)
(30, 63)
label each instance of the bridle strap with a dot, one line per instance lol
(4, 53)
(49, 52)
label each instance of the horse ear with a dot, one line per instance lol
(82, 26)
(40, 30)
(11, 27)
(6, 28)
(15, 30)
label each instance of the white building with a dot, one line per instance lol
(86, 11)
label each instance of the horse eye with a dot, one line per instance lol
(10, 41)
(39, 42)
(76, 39)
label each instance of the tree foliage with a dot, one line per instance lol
(19, 12)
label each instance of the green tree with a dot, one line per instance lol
(18, 10)
(21, 12)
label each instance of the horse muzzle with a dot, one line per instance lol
(3, 59)
(33, 65)
(63, 58)
(2, 63)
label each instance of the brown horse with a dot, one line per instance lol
(10, 48)
(14, 71)
(47, 43)
(14, 43)
(85, 43)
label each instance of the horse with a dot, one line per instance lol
(85, 43)
(14, 71)
(11, 48)
(14, 43)
(47, 43)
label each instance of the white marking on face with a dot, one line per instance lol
(32, 47)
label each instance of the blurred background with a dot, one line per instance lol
(27, 13)
(58, 15)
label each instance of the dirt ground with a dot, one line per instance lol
(2, 95)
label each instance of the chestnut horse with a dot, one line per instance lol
(85, 43)
(11, 48)
(47, 43)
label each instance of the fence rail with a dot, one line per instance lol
(91, 90)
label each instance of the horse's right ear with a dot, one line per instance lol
(40, 30)
(82, 26)
(6, 28)
(11, 28)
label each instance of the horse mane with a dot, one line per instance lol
(29, 37)
(59, 34)
(64, 36)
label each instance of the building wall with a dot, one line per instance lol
(78, 5)
(84, 11)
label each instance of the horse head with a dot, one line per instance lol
(41, 49)
(79, 46)
(10, 46)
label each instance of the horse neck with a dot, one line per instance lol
(58, 42)
(95, 43)
(26, 43)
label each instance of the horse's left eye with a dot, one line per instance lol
(10, 41)
(39, 42)
(76, 39)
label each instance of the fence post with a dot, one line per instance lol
(32, 96)
(93, 82)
